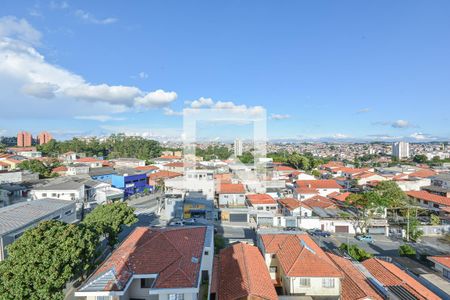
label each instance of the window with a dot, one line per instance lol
(260, 208)
(273, 269)
(328, 282)
(56, 217)
(146, 283)
(305, 282)
(44, 194)
(446, 273)
(53, 195)
(206, 252)
(68, 212)
(103, 298)
(176, 296)
(273, 255)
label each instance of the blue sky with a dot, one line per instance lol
(342, 70)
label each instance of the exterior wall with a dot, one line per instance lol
(30, 154)
(413, 185)
(70, 195)
(104, 178)
(266, 207)
(129, 163)
(315, 288)
(364, 181)
(10, 177)
(303, 197)
(193, 181)
(77, 170)
(309, 223)
(231, 199)
(326, 192)
(304, 176)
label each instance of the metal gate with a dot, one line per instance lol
(238, 217)
(342, 229)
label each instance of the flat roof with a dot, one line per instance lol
(21, 214)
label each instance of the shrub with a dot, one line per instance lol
(355, 252)
(406, 250)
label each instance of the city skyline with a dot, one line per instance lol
(319, 77)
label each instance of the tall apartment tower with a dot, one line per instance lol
(44, 137)
(237, 147)
(400, 150)
(24, 139)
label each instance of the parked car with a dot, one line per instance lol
(190, 221)
(365, 238)
(290, 228)
(177, 223)
(318, 232)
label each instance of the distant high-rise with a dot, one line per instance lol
(44, 137)
(237, 147)
(400, 150)
(24, 139)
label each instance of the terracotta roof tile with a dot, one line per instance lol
(299, 255)
(424, 195)
(319, 201)
(443, 260)
(231, 188)
(354, 285)
(318, 184)
(389, 274)
(163, 175)
(146, 168)
(241, 273)
(292, 203)
(167, 252)
(260, 199)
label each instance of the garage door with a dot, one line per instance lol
(343, 229)
(291, 223)
(238, 217)
(377, 230)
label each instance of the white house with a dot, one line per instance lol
(323, 186)
(168, 263)
(192, 181)
(231, 194)
(128, 162)
(77, 169)
(262, 202)
(294, 207)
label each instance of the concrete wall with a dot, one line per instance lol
(316, 288)
(232, 199)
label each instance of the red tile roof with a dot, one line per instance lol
(3, 164)
(231, 188)
(167, 252)
(389, 274)
(318, 184)
(163, 175)
(319, 201)
(59, 169)
(179, 164)
(423, 173)
(443, 260)
(299, 255)
(284, 168)
(260, 199)
(292, 203)
(241, 273)
(146, 168)
(87, 160)
(306, 191)
(424, 195)
(355, 284)
(170, 157)
(340, 197)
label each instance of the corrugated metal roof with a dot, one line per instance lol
(18, 215)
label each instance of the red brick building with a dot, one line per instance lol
(24, 139)
(44, 137)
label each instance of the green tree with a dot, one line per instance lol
(420, 158)
(107, 220)
(44, 169)
(435, 220)
(406, 250)
(355, 252)
(44, 259)
(247, 158)
(299, 161)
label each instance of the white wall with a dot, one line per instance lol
(232, 199)
(315, 288)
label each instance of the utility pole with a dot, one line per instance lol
(407, 224)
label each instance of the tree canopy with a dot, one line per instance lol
(107, 220)
(214, 152)
(44, 259)
(43, 168)
(117, 145)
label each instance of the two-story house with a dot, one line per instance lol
(231, 195)
(299, 267)
(323, 186)
(262, 202)
(167, 264)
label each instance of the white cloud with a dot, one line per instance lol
(59, 5)
(400, 124)
(158, 98)
(22, 64)
(341, 136)
(363, 110)
(99, 118)
(89, 18)
(201, 102)
(143, 75)
(279, 116)
(40, 89)
(13, 28)
(170, 112)
(422, 136)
